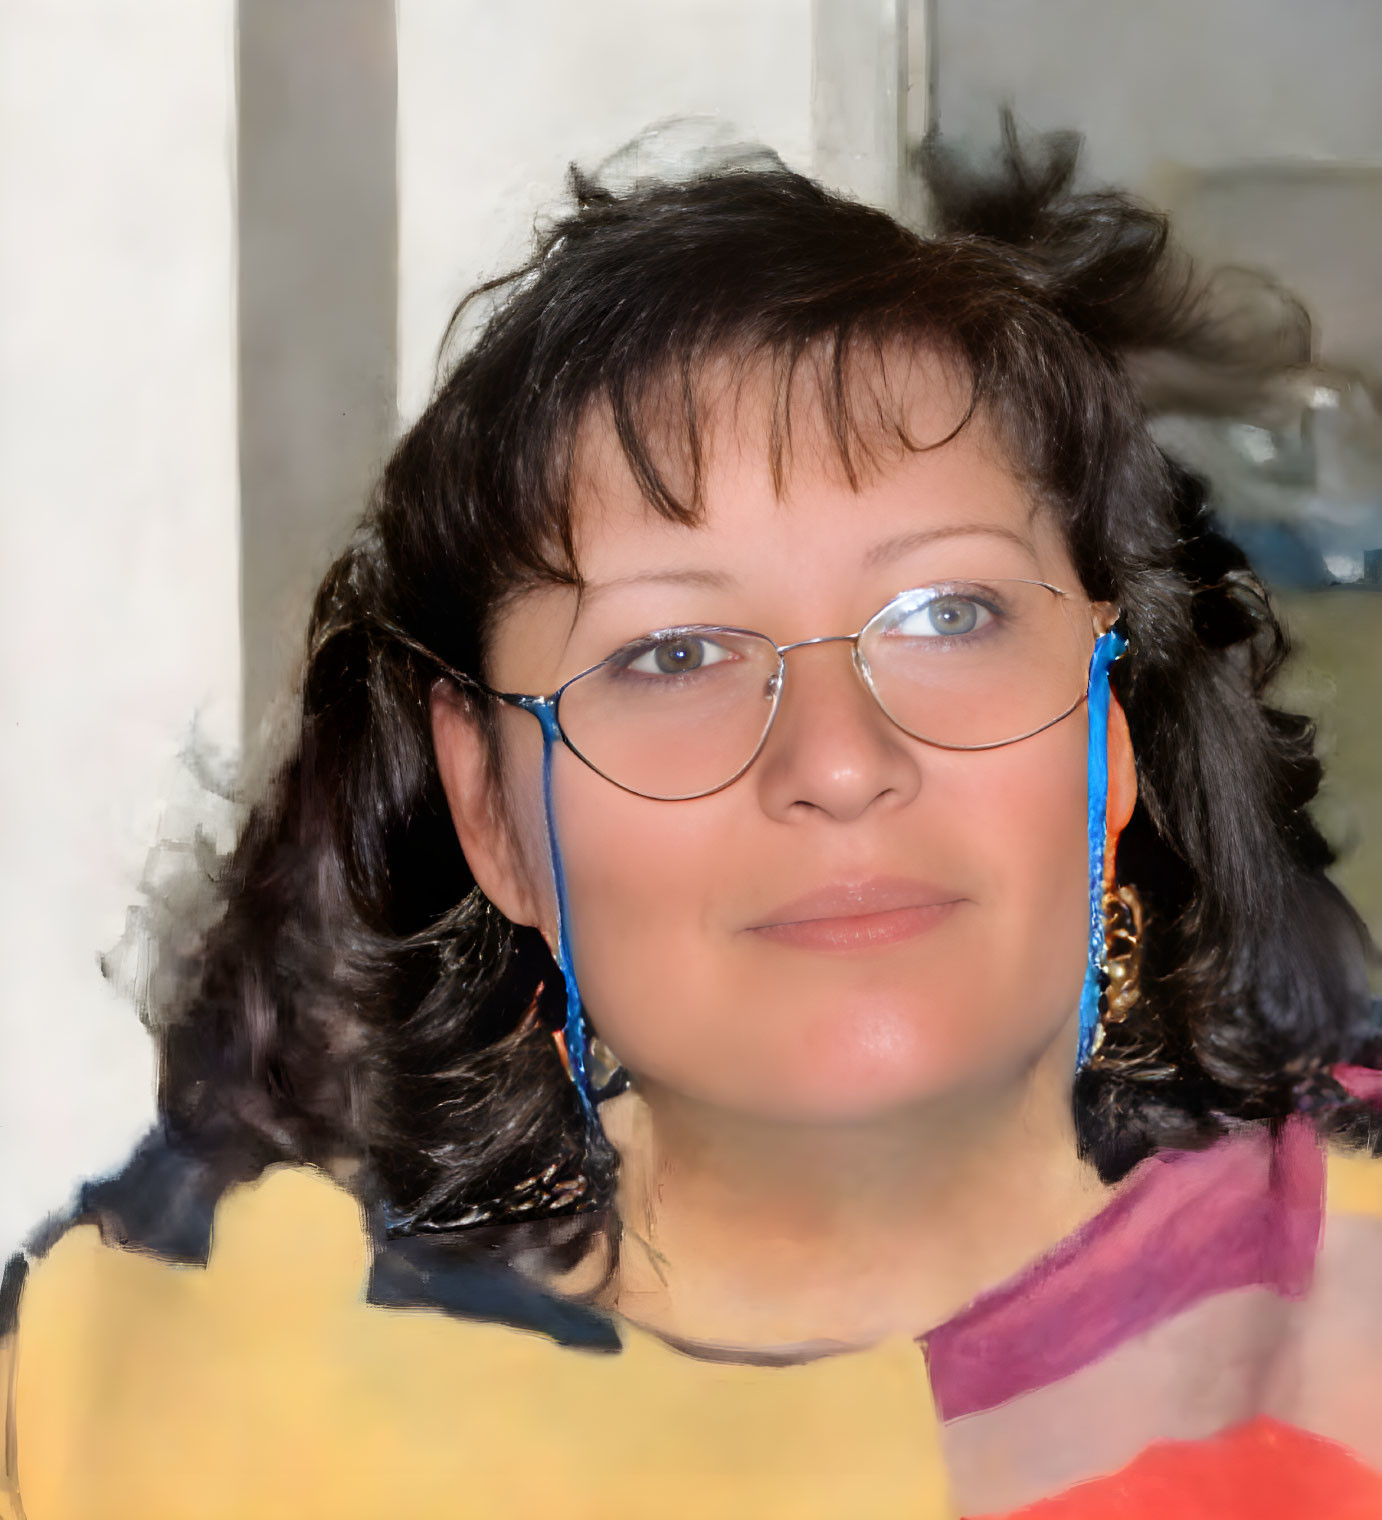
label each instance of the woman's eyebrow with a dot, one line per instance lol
(714, 580)
(903, 543)
(718, 580)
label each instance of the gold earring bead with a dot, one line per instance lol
(1123, 923)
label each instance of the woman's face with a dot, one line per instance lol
(861, 921)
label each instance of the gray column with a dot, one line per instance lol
(318, 281)
(872, 95)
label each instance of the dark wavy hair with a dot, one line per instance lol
(358, 1004)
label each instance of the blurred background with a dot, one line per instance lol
(230, 238)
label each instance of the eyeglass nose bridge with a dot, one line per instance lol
(861, 669)
(825, 638)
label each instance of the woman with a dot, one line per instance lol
(788, 955)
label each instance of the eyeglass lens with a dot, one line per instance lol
(964, 665)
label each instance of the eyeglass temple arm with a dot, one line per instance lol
(535, 705)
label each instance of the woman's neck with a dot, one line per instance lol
(755, 1235)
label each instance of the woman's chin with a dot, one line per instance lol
(855, 1082)
(846, 1056)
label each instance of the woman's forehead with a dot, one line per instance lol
(944, 479)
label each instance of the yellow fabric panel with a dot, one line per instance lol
(1354, 1183)
(262, 1386)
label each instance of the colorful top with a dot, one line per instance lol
(1209, 1345)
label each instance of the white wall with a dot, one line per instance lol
(496, 99)
(118, 531)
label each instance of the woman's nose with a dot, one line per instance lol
(832, 750)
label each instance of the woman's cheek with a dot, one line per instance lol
(1039, 846)
(635, 872)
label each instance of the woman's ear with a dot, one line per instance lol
(476, 807)
(1122, 770)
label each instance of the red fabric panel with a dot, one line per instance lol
(1262, 1470)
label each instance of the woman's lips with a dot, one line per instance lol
(858, 915)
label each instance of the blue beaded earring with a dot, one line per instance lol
(1109, 647)
(574, 1030)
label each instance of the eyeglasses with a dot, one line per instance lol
(963, 665)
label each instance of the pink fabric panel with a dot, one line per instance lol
(1361, 1082)
(1184, 1225)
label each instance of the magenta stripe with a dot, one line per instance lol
(1185, 1225)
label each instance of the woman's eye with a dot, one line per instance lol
(944, 617)
(678, 656)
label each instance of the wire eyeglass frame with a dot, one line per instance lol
(546, 707)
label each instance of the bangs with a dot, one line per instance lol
(845, 406)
